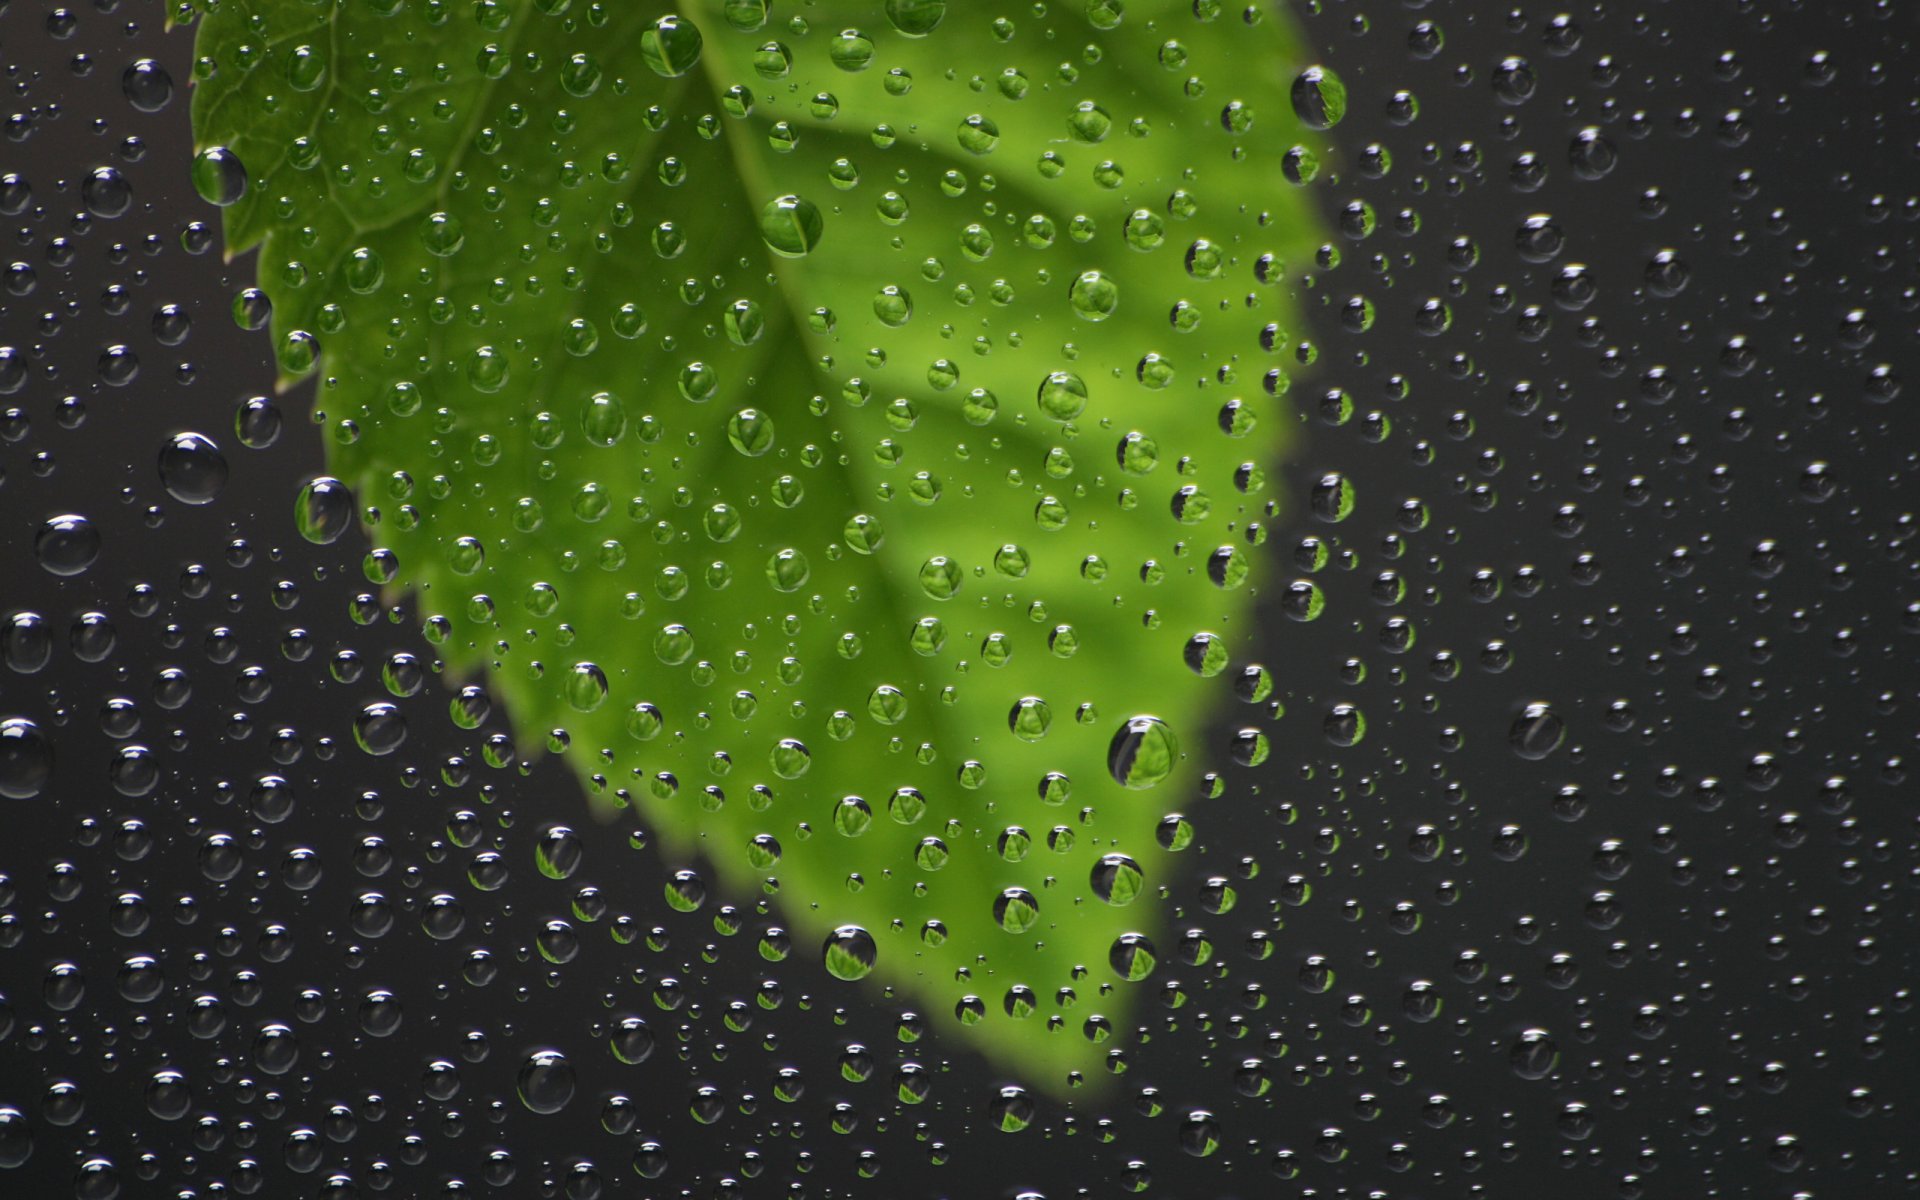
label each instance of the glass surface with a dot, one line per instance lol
(916, 599)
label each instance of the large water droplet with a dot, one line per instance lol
(16, 1138)
(1030, 718)
(1116, 879)
(106, 192)
(1143, 752)
(323, 510)
(940, 577)
(849, 952)
(380, 728)
(1011, 1110)
(1200, 1134)
(586, 687)
(916, 18)
(671, 47)
(978, 134)
(1094, 295)
(787, 570)
(26, 759)
(1536, 732)
(192, 469)
(26, 642)
(219, 176)
(67, 544)
(1319, 98)
(546, 1081)
(1016, 910)
(791, 226)
(632, 1040)
(750, 432)
(1063, 395)
(790, 758)
(1132, 957)
(146, 85)
(1534, 1055)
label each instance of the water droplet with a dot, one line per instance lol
(849, 952)
(790, 758)
(219, 176)
(916, 18)
(586, 687)
(146, 85)
(16, 1138)
(1591, 154)
(978, 134)
(1206, 654)
(380, 728)
(1016, 910)
(106, 192)
(851, 50)
(1030, 719)
(545, 1082)
(673, 645)
(604, 419)
(1095, 296)
(1534, 1054)
(893, 305)
(1011, 1110)
(747, 15)
(852, 816)
(26, 643)
(1132, 957)
(632, 1041)
(276, 1050)
(1199, 1134)
(26, 759)
(787, 570)
(192, 469)
(750, 432)
(791, 226)
(323, 510)
(685, 890)
(256, 422)
(940, 577)
(1116, 879)
(863, 533)
(1143, 752)
(1319, 98)
(306, 67)
(763, 853)
(887, 704)
(671, 47)
(1063, 395)
(66, 544)
(1537, 732)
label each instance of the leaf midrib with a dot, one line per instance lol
(940, 723)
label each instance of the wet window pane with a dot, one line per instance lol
(918, 598)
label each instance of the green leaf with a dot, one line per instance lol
(837, 422)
